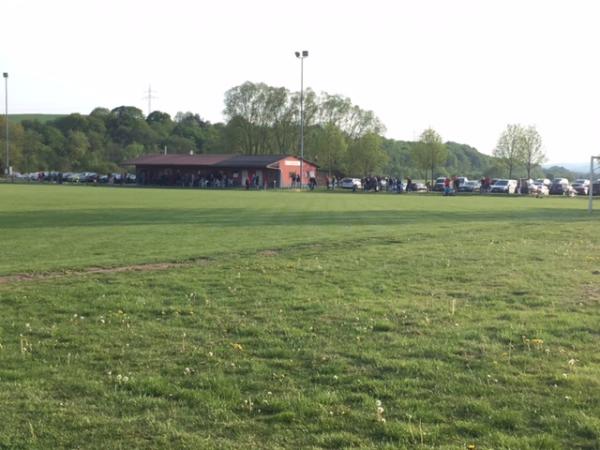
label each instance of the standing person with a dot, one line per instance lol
(408, 184)
(447, 186)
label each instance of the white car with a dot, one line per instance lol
(350, 183)
(539, 188)
(504, 186)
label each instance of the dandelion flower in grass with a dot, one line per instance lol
(379, 411)
(237, 346)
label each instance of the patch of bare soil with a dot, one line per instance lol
(150, 267)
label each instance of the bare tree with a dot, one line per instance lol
(510, 147)
(532, 153)
(429, 152)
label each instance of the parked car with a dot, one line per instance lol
(350, 183)
(539, 188)
(504, 186)
(545, 181)
(419, 187)
(71, 177)
(88, 177)
(561, 186)
(470, 186)
(581, 186)
(439, 184)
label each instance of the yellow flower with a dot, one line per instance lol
(537, 341)
(237, 346)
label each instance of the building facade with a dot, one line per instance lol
(252, 171)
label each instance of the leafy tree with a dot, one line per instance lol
(365, 155)
(101, 113)
(532, 153)
(191, 127)
(257, 109)
(327, 147)
(351, 119)
(510, 147)
(15, 144)
(399, 158)
(179, 144)
(161, 123)
(77, 146)
(429, 152)
(72, 122)
(34, 152)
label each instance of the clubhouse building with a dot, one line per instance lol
(204, 170)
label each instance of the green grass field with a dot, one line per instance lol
(238, 320)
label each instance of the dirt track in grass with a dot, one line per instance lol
(150, 267)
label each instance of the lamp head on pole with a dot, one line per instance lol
(302, 54)
(5, 74)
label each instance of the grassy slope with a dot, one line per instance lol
(429, 305)
(18, 118)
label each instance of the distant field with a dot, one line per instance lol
(157, 318)
(18, 118)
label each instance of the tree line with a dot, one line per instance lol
(341, 137)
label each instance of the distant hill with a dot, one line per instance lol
(18, 118)
(582, 167)
(463, 160)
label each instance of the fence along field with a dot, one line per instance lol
(296, 320)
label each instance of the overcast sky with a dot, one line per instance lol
(467, 68)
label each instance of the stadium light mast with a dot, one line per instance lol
(5, 75)
(301, 55)
(592, 176)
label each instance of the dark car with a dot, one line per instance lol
(581, 186)
(561, 188)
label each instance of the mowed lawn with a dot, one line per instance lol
(296, 320)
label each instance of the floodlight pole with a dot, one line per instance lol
(301, 56)
(5, 75)
(591, 189)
